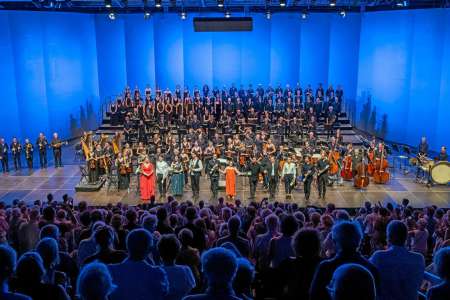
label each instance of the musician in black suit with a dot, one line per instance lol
(273, 175)
(42, 144)
(4, 155)
(56, 145)
(322, 174)
(423, 147)
(213, 172)
(307, 172)
(195, 170)
(16, 150)
(255, 170)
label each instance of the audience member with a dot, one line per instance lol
(442, 266)
(241, 244)
(7, 268)
(352, 282)
(401, 271)
(135, 277)
(104, 238)
(94, 282)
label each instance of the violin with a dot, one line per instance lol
(381, 175)
(347, 172)
(361, 179)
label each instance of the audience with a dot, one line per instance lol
(135, 277)
(7, 269)
(181, 279)
(347, 238)
(352, 282)
(442, 266)
(219, 267)
(95, 283)
(401, 271)
(221, 251)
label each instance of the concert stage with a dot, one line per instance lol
(20, 185)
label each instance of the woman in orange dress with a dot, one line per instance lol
(230, 180)
(147, 180)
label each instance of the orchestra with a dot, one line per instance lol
(271, 136)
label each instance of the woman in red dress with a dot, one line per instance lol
(230, 180)
(147, 180)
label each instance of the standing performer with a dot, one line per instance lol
(177, 179)
(57, 152)
(147, 181)
(92, 167)
(4, 155)
(29, 153)
(42, 143)
(272, 173)
(230, 180)
(289, 174)
(255, 170)
(195, 171)
(122, 166)
(308, 172)
(322, 174)
(213, 171)
(162, 171)
(16, 150)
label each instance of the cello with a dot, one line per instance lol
(380, 174)
(333, 157)
(361, 179)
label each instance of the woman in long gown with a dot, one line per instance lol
(177, 180)
(230, 180)
(147, 180)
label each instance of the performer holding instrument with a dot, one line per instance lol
(195, 170)
(42, 144)
(214, 173)
(56, 145)
(16, 151)
(322, 174)
(4, 155)
(29, 150)
(288, 174)
(308, 170)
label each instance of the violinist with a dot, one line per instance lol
(16, 151)
(322, 174)
(29, 153)
(42, 144)
(4, 155)
(122, 166)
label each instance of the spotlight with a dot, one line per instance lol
(183, 15)
(158, 3)
(112, 16)
(304, 15)
(332, 2)
(342, 13)
(282, 3)
(402, 3)
(108, 3)
(268, 15)
(147, 15)
(220, 3)
(227, 14)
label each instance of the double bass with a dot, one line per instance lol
(347, 170)
(371, 165)
(361, 179)
(333, 157)
(380, 174)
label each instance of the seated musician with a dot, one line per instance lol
(380, 151)
(312, 140)
(195, 122)
(443, 156)
(252, 116)
(270, 147)
(423, 147)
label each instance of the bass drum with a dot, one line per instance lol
(440, 173)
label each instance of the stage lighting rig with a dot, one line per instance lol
(158, 3)
(268, 15)
(227, 14)
(333, 3)
(304, 15)
(282, 3)
(108, 3)
(220, 3)
(342, 13)
(112, 16)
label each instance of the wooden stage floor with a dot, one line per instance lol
(30, 187)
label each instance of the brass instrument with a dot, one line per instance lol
(28, 150)
(116, 144)
(86, 144)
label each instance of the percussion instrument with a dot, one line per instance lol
(440, 173)
(427, 165)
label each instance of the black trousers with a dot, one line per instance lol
(5, 166)
(43, 159)
(307, 188)
(30, 162)
(57, 156)
(253, 183)
(288, 178)
(273, 182)
(322, 185)
(214, 186)
(195, 183)
(162, 186)
(17, 161)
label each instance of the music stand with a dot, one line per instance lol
(395, 148)
(404, 158)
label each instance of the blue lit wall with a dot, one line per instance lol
(52, 63)
(404, 65)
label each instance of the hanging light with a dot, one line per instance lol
(304, 15)
(227, 14)
(333, 3)
(112, 16)
(282, 3)
(183, 15)
(342, 13)
(220, 3)
(108, 4)
(158, 3)
(268, 15)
